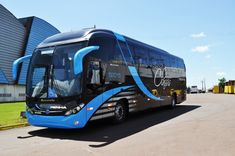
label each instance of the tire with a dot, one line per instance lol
(173, 102)
(120, 112)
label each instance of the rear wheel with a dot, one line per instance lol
(173, 102)
(120, 113)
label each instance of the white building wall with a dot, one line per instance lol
(12, 93)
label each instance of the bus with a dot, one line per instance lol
(91, 74)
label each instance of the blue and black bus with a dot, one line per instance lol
(77, 77)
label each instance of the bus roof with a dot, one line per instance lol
(71, 37)
(85, 34)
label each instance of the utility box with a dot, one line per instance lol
(216, 89)
(226, 89)
(230, 89)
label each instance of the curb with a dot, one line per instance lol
(13, 126)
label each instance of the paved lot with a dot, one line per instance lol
(203, 125)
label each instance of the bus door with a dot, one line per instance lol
(94, 82)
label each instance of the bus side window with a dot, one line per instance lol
(140, 57)
(166, 61)
(160, 60)
(152, 58)
(116, 56)
(105, 48)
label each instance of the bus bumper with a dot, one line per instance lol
(64, 122)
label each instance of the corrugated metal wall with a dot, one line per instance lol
(39, 31)
(18, 37)
(12, 34)
(3, 78)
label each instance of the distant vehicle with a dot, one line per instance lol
(194, 89)
(203, 91)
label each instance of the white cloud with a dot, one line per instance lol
(221, 74)
(201, 49)
(198, 35)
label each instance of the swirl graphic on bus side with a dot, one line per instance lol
(160, 77)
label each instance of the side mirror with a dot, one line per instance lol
(16, 64)
(78, 58)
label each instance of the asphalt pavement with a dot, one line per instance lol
(202, 125)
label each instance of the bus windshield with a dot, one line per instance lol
(51, 72)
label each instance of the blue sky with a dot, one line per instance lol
(202, 32)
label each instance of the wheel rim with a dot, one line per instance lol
(119, 112)
(173, 102)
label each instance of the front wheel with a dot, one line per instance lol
(120, 113)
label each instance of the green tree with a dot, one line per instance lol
(222, 83)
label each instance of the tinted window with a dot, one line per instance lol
(116, 56)
(132, 49)
(181, 64)
(141, 56)
(105, 50)
(157, 58)
(126, 53)
(167, 61)
(152, 58)
(173, 62)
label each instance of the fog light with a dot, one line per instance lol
(76, 122)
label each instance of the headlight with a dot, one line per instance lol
(75, 110)
(78, 108)
(68, 112)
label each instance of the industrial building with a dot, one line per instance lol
(18, 37)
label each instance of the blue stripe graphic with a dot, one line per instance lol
(133, 70)
(82, 116)
(140, 84)
(120, 37)
(100, 99)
